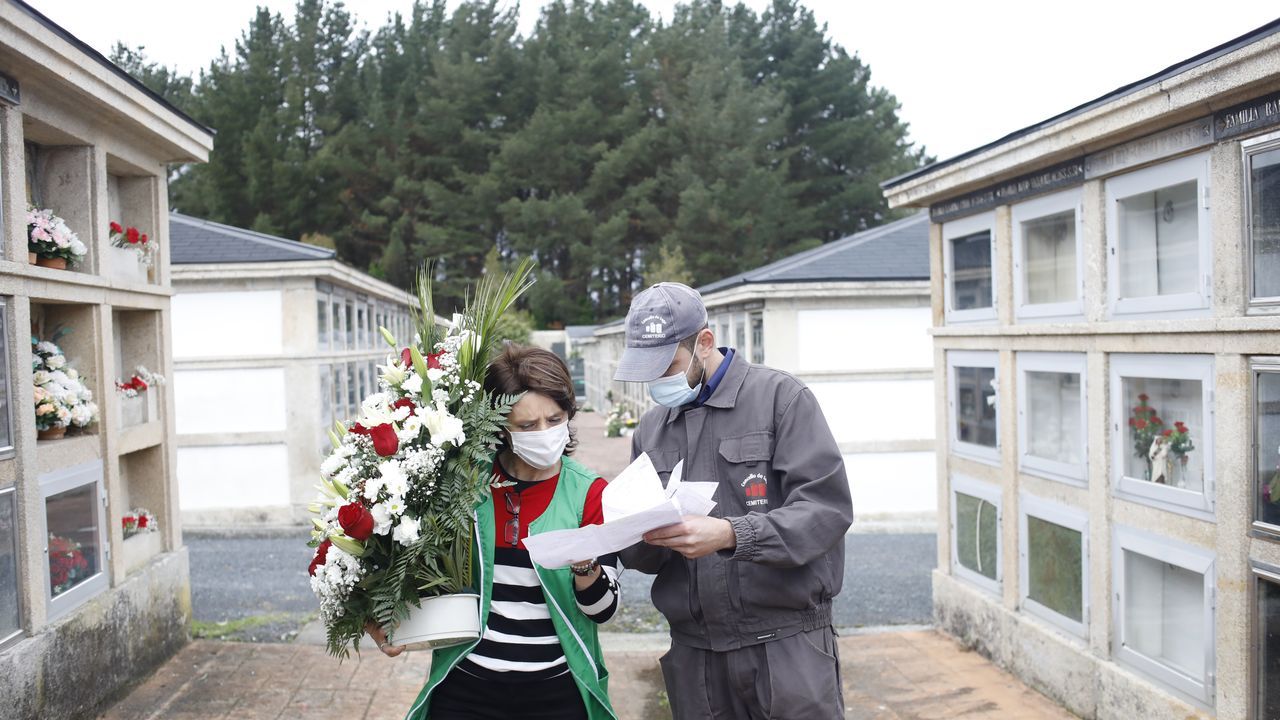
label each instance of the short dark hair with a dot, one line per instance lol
(691, 342)
(524, 368)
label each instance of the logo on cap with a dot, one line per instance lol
(654, 328)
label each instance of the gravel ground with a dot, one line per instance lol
(254, 588)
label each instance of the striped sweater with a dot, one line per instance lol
(519, 641)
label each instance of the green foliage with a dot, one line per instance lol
(608, 146)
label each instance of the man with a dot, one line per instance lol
(747, 591)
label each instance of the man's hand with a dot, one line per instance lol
(380, 638)
(695, 536)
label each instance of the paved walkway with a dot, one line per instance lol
(893, 675)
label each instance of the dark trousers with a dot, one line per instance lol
(794, 678)
(465, 697)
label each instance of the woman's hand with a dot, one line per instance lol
(582, 582)
(380, 637)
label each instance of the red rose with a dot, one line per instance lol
(385, 442)
(1144, 397)
(1141, 425)
(356, 521)
(318, 560)
(142, 521)
(406, 357)
(138, 384)
(131, 235)
(1155, 420)
(1166, 433)
(1132, 422)
(404, 403)
(433, 360)
(359, 429)
(1181, 426)
(115, 228)
(128, 520)
(143, 239)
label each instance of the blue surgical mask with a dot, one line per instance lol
(673, 391)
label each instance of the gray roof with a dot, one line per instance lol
(98, 57)
(897, 251)
(1173, 70)
(579, 331)
(196, 242)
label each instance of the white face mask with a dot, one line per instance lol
(541, 448)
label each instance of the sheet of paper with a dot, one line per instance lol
(561, 548)
(634, 503)
(634, 489)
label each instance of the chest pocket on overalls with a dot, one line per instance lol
(747, 464)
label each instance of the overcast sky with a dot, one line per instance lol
(965, 73)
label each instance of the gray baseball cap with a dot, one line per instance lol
(660, 317)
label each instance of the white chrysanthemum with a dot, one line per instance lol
(372, 487)
(413, 384)
(382, 519)
(47, 348)
(40, 377)
(332, 465)
(406, 532)
(53, 362)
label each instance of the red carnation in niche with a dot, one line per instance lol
(115, 228)
(132, 235)
(321, 553)
(385, 442)
(142, 521)
(356, 521)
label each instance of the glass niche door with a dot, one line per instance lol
(1266, 445)
(1158, 235)
(1162, 431)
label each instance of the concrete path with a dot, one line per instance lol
(887, 676)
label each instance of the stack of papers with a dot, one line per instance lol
(634, 503)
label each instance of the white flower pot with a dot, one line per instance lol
(122, 264)
(138, 410)
(440, 622)
(139, 549)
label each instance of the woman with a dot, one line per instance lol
(539, 656)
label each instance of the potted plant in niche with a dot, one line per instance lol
(132, 253)
(50, 243)
(141, 539)
(62, 400)
(137, 404)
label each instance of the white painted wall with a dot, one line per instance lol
(877, 410)
(233, 476)
(892, 483)
(844, 340)
(229, 401)
(228, 324)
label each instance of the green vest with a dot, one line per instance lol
(578, 633)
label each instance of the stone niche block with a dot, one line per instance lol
(136, 341)
(142, 478)
(131, 201)
(79, 342)
(60, 178)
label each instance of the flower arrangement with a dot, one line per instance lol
(62, 400)
(142, 380)
(1146, 426)
(130, 238)
(67, 564)
(394, 522)
(139, 521)
(620, 418)
(49, 238)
